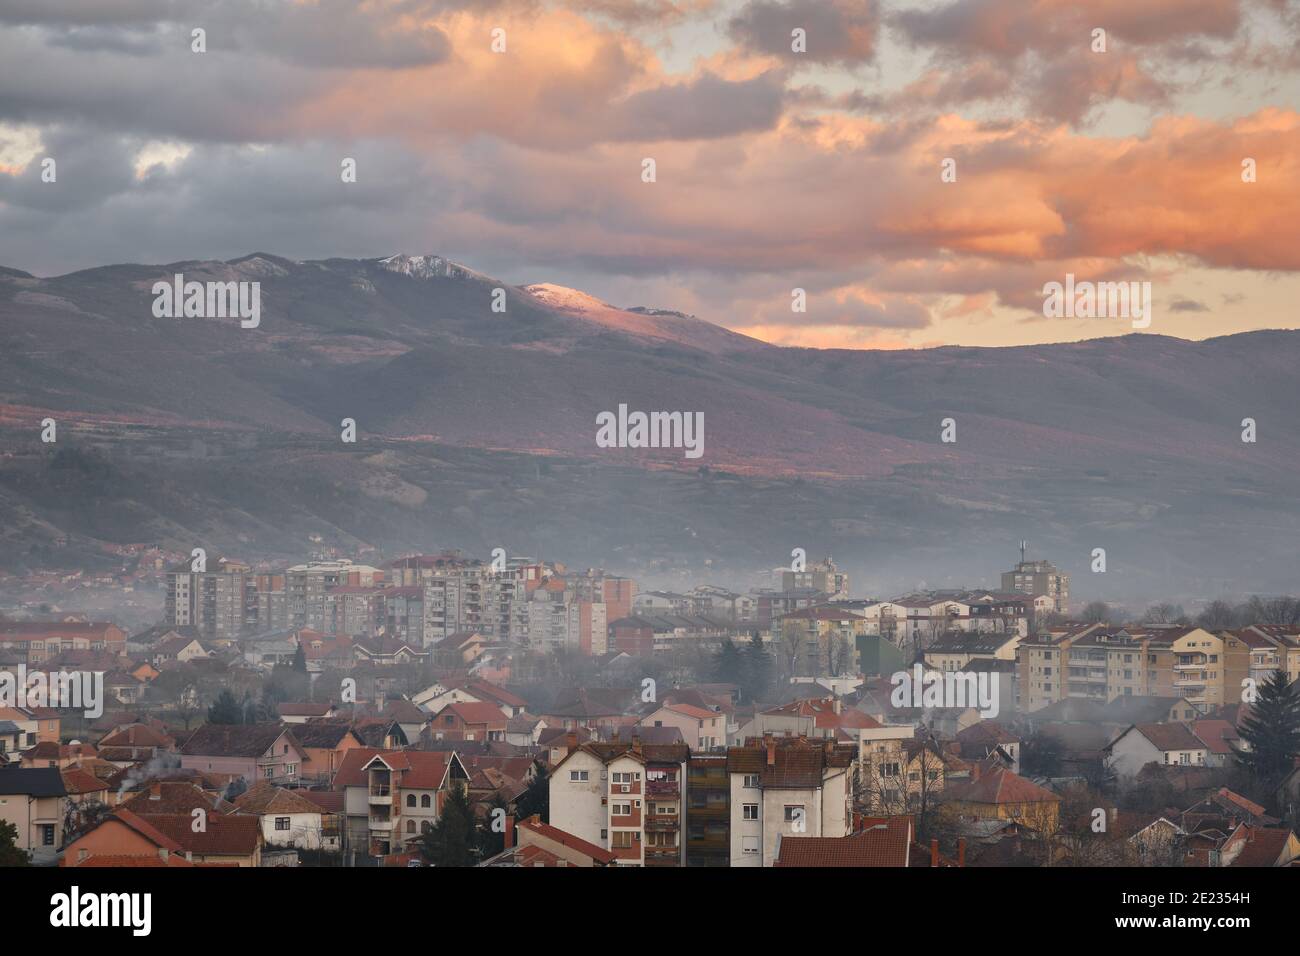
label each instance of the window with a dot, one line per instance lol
(751, 781)
(750, 811)
(268, 772)
(426, 801)
(410, 800)
(47, 834)
(621, 809)
(410, 826)
(282, 823)
(793, 813)
(749, 844)
(623, 839)
(576, 775)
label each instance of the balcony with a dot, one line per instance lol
(663, 788)
(383, 824)
(381, 794)
(662, 855)
(1190, 665)
(662, 821)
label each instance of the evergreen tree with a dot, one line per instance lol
(490, 840)
(758, 668)
(10, 853)
(1272, 728)
(537, 798)
(226, 709)
(728, 665)
(300, 660)
(453, 840)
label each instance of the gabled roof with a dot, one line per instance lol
(475, 712)
(1217, 735)
(263, 798)
(234, 740)
(1000, 786)
(136, 735)
(229, 835)
(883, 842)
(797, 764)
(420, 769)
(1166, 737)
(1264, 846)
(563, 837)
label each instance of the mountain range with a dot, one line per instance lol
(476, 429)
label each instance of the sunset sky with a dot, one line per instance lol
(775, 169)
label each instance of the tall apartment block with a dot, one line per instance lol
(1038, 578)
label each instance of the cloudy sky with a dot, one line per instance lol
(775, 169)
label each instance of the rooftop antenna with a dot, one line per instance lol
(1023, 545)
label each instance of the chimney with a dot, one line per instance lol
(934, 853)
(771, 751)
(510, 831)
(155, 791)
(636, 743)
(974, 772)
(961, 851)
(571, 741)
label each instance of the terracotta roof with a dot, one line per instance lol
(420, 769)
(79, 781)
(136, 735)
(1264, 846)
(145, 829)
(1216, 735)
(230, 835)
(881, 843)
(1001, 786)
(170, 796)
(263, 798)
(567, 839)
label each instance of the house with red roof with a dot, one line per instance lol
(883, 842)
(392, 796)
(234, 840)
(999, 794)
(701, 728)
(469, 720)
(539, 844)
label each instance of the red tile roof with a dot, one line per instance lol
(567, 839)
(1001, 786)
(883, 843)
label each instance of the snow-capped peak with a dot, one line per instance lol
(428, 267)
(562, 297)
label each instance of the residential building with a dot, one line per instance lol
(787, 787)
